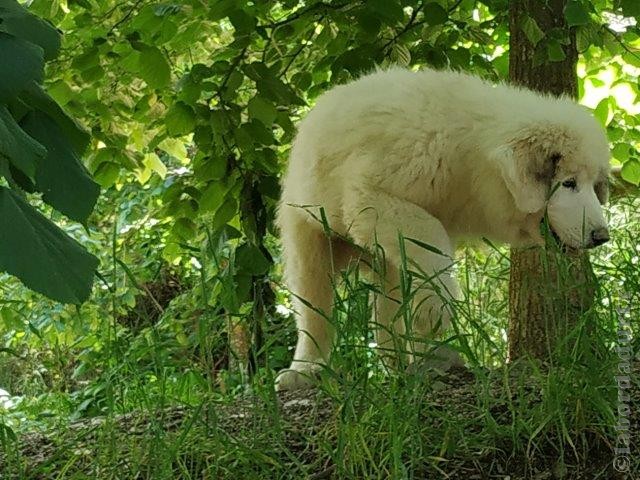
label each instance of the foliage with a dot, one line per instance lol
(40, 149)
(383, 426)
(218, 87)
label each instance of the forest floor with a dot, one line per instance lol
(305, 434)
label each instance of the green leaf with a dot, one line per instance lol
(180, 119)
(225, 213)
(631, 171)
(369, 22)
(131, 62)
(19, 22)
(302, 80)
(60, 92)
(576, 14)
(270, 187)
(190, 90)
(531, 29)
(40, 254)
(400, 55)
(61, 177)
(213, 197)
(390, 11)
(251, 261)
(234, 81)
(426, 246)
(263, 110)
(154, 68)
(184, 228)
(220, 9)
(88, 59)
(36, 97)
(107, 174)
(207, 168)
(22, 63)
(20, 179)
(242, 291)
(152, 162)
(621, 152)
(434, 14)
(630, 8)
(459, 57)
(242, 22)
(603, 112)
(588, 35)
(175, 148)
(555, 52)
(270, 85)
(253, 133)
(22, 151)
(356, 61)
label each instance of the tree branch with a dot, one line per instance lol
(125, 18)
(410, 24)
(315, 8)
(622, 44)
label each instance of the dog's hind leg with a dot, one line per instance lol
(310, 264)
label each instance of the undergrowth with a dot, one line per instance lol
(518, 416)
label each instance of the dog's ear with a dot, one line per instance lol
(602, 190)
(528, 171)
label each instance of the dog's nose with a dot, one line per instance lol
(599, 236)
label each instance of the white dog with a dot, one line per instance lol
(435, 156)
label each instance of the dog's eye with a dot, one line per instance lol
(570, 183)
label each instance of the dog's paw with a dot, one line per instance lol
(297, 378)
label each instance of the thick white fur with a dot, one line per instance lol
(438, 156)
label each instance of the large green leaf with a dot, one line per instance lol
(251, 261)
(631, 171)
(242, 21)
(389, 11)
(180, 119)
(262, 110)
(19, 22)
(434, 14)
(40, 254)
(213, 197)
(154, 68)
(604, 111)
(225, 212)
(61, 176)
(22, 151)
(36, 97)
(220, 9)
(576, 14)
(21, 63)
(270, 85)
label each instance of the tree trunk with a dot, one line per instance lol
(548, 288)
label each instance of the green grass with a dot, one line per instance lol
(189, 418)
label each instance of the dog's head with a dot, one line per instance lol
(563, 170)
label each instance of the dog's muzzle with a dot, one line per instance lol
(598, 236)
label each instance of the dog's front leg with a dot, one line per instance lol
(409, 239)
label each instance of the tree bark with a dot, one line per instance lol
(528, 64)
(548, 288)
